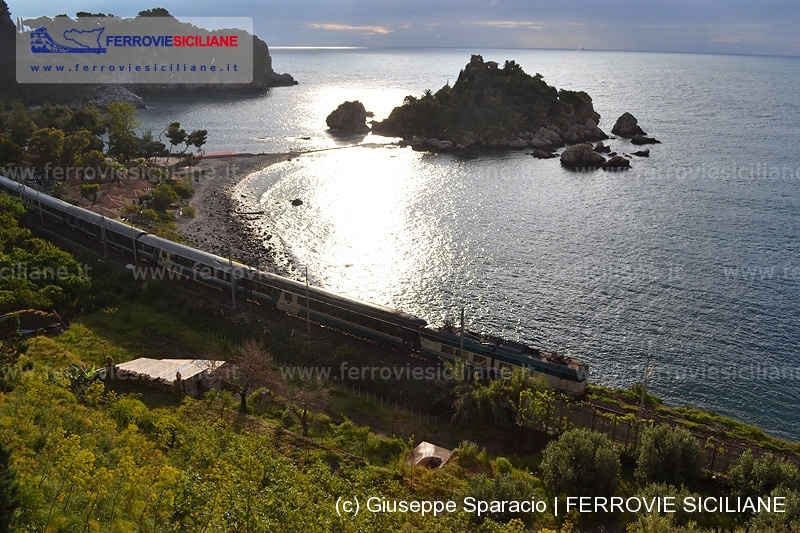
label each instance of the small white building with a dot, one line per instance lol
(190, 376)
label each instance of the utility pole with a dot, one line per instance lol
(649, 370)
(308, 306)
(233, 278)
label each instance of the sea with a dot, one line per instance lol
(690, 259)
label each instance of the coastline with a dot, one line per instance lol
(216, 228)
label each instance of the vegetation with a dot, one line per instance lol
(668, 455)
(487, 104)
(268, 453)
(581, 463)
(9, 490)
(35, 273)
(757, 477)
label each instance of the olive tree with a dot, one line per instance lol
(581, 462)
(668, 455)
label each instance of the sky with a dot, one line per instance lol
(769, 27)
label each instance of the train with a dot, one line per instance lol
(484, 355)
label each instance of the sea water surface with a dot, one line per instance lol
(692, 257)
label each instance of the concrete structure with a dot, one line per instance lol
(429, 455)
(190, 376)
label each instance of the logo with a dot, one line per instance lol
(87, 41)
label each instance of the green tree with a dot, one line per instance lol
(74, 146)
(150, 148)
(197, 139)
(163, 196)
(90, 190)
(176, 135)
(46, 145)
(55, 116)
(122, 122)
(497, 400)
(581, 462)
(89, 118)
(668, 455)
(9, 490)
(758, 477)
(155, 12)
(10, 152)
(20, 125)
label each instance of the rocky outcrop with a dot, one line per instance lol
(281, 80)
(105, 94)
(617, 162)
(601, 148)
(582, 156)
(543, 154)
(493, 107)
(349, 118)
(627, 126)
(546, 139)
(642, 153)
(643, 139)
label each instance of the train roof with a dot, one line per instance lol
(519, 351)
(243, 271)
(194, 254)
(70, 209)
(204, 258)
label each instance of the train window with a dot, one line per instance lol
(479, 360)
(370, 323)
(301, 301)
(287, 297)
(447, 350)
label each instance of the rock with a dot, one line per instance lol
(643, 139)
(643, 153)
(518, 144)
(349, 118)
(437, 145)
(108, 93)
(617, 163)
(601, 148)
(543, 154)
(627, 126)
(297, 201)
(546, 139)
(281, 80)
(582, 156)
(578, 133)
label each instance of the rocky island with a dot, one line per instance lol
(494, 107)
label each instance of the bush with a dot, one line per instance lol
(759, 477)
(470, 456)
(581, 463)
(513, 486)
(668, 455)
(163, 196)
(149, 214)
(189, 211)
(184, 190)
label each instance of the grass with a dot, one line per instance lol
(141, 330)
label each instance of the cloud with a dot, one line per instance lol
(347, 27)
(510, 24)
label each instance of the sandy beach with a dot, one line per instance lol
(216, 226)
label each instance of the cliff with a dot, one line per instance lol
(495, 107)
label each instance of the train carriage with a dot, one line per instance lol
(385, 326)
